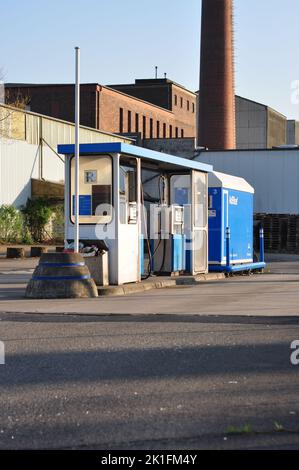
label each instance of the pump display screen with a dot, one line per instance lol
(101, 196)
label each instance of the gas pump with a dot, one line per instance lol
(168, 245)
(116, 180)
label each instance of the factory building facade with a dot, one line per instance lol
(292, 132)
(111, 110)
(259, 126)
(151, 110)
(169, 95)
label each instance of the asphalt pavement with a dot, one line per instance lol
(203, 367)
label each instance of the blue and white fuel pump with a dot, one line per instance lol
(112, 192)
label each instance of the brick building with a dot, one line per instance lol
(151, 108)
(169, 95)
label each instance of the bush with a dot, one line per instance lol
(38, 221)
(57, 223)
(11, 224)
(37, 214)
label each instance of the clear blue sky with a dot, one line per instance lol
(122, 40)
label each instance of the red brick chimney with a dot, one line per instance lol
(216, 115)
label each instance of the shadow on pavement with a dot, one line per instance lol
(147, 318)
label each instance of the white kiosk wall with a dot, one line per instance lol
(109, 204)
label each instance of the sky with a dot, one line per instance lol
(123, 40)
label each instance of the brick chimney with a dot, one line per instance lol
(216, 114)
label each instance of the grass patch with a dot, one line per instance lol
(278, 427)
(232, 430)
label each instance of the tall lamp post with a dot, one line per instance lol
(77, 142)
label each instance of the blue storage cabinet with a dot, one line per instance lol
(230, 205)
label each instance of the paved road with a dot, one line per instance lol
(272, 294)
(135, 380)
(143, 382)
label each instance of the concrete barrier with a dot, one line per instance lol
(37, 251)
(15, 252)
(61, 276)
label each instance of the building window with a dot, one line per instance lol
(121, 120)
(176, 132)
(151, 128)
(182, 102)
(176, 100)
(182, 133)
(144, 126)
(193, 107)
(136, 122)
(129, 121)
(164, 131)
(158, 129)
(188, 105)
(170, 132)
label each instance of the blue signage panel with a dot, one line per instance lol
(84, 205)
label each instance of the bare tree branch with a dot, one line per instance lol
(15, 99)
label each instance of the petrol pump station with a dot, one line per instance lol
(149, 210)
(231, 247)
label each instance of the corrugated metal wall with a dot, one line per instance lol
(24, 125)
(58, 132)
(19, 162)
(251, 124)
(24, 153)
(277, 129)
(273, 173)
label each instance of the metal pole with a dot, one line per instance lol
(262, 246)
(227, 236)
(77, 142)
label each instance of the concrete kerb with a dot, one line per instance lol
(158, 284)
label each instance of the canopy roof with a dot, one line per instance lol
(163, 160)
(222, 180)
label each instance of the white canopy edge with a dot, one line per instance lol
(222, 180)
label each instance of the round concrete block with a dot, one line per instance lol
(37, 251)
(61, 276)
(15, 252)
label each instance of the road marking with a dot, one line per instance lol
(6, 273)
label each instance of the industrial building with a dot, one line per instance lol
(292, 132)
(259, 126)
(111, 110)
(153, 109)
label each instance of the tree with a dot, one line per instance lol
(8, 112)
